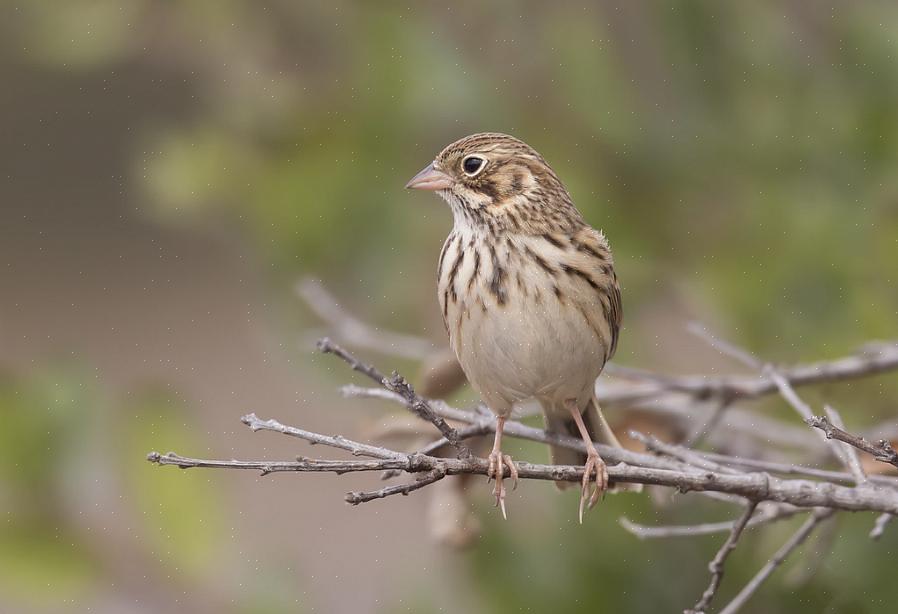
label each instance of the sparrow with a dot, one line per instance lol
(529, 297)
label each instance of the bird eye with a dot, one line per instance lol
(473, 165)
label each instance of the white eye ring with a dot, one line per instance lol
(476, 171)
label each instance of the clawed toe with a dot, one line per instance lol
(498, 464)
(594, 464)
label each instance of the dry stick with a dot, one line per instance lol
(355, 331)
(334, 441)
(421, 408)
(797, 539)
(717, 563)
(880, 525)
(873, 358)
(725, 347)
(678, 452)
(804, 410)
(354, 498)
(613, 455)
(472, 430)
(397, 384)
(783, 385)
(754, 486)
(766, 515)
(326, 346)
(883, 451)
(797, 470)
(854, 461)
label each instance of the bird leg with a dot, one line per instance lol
(498, 463)
(594, 463)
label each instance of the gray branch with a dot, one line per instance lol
(717, 563)
(882, 451)
(658, 471)
(797, 539)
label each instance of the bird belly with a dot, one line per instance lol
(531, 346)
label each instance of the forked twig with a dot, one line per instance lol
(882, 451)
(717, 563)
(797, 539)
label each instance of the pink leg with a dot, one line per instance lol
(498, 463)
(594, 463)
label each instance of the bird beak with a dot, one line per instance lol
(430, 179)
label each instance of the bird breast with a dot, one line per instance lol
(528, 316)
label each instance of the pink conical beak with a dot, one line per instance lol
(430, 179)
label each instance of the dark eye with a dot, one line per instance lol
(473, 164)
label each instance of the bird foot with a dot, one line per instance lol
(594, 464)
(498, 463)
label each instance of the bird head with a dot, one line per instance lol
(497, 180)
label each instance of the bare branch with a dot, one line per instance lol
(883, 451)
(435, 475)
(768, 513)
(786, 391)
(353, 330)
(520, 431)
(880, 525)
(797, 470)
(854, 463)
(421, 408)
(797, 539)
(873, 358)
(397, 384)
(336, 441)
(725, 347)
(754, 486)
(326, 346)
(266, 467)
(681, 453)
(717, 563)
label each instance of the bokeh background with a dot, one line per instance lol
(169, 170)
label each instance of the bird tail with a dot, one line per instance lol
(599, 431)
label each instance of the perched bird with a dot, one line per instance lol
(528, 294)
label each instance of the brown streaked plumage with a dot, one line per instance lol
(550, 306)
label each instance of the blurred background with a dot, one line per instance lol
(170, 170)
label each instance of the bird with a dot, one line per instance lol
(529, 297)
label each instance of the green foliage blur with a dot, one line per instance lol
(740, 157)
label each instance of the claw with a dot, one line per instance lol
(594, 463)
(498, 464)
(512, 470)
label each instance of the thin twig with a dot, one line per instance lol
(840, 477)
(782, 383)
(797, 539)
(434, 475)
(883, 451)
(879, 527)
(326, 346)
(353, 330)
(397, 384)
(764, 516)
(854, 462)
(682, 453)
(725, 347)
(335, 441)
(873, 358)
(421, 408)
(717, 563)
